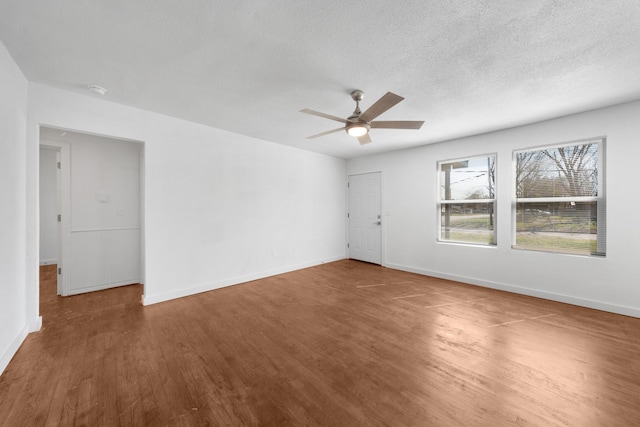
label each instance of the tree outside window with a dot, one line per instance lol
(560, 198)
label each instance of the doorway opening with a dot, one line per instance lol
(91, 210)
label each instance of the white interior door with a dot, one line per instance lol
(62, 186)
(365, 217)
(60, 232)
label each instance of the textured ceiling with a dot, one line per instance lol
(465, 67)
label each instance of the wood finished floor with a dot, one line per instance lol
(342, 344)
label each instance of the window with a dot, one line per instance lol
(467, 200)
(560, 204)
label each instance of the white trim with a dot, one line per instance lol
(64, 194)
(561, 251)
(101, 287)
(467, 244)
(13, 348)
(567, 299)
(93, 230)
(601, 226)
(557, 199)
(467, 201)
(48, 261)
(594, 140)
(167, 296)
(35, 325)
(463, 158)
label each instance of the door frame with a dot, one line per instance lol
(63, 189)
(65, 204)
(384, 215)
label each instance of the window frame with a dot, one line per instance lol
(599, 199)
(441, 201)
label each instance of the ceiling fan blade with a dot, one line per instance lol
(326, 116)
(380, 106)
(396, 124)
(325, 133)
(364, 139)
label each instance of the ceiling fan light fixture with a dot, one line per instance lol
(358, 129)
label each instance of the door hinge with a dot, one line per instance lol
(347, 246)
(347, 214)
(59, 165)
(59, 270)
(59, 217)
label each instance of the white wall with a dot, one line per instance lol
(14, 321)
(48, 207)
(410, 229)
(219, 208)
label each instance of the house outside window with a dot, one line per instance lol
(560, 203)
(467, 201)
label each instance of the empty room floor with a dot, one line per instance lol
(341, 344)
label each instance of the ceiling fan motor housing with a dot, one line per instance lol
(357, 95)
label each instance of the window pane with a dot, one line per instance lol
(468, 179)
(568, 171)
(568, 227)
(468, 222)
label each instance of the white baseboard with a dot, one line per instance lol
(48, 261)
(167, 296)
(35, 325)
(8, 354)
(598, 305)
(101, 287)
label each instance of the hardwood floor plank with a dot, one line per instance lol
(344, 344)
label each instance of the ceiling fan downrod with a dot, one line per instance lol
(357, 95)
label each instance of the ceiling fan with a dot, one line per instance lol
(358, 124)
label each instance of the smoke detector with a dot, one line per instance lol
(97, 89)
